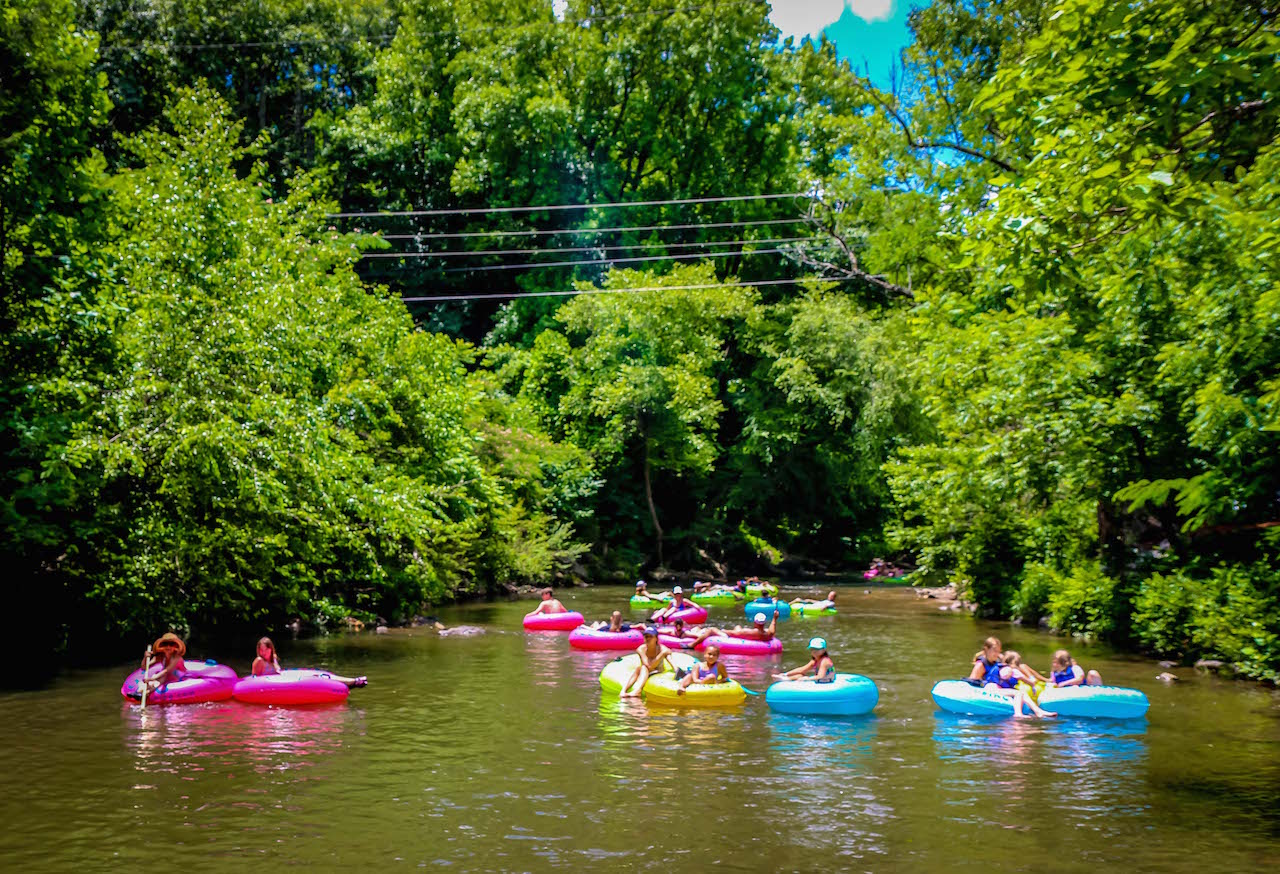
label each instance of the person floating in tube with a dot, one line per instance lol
(268, 663)
(677, 604)
(820, 663)
(758, 630)
(653, 657)
(549, 604)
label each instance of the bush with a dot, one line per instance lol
(1233, 614)
(1083, 601)
(1031, 601)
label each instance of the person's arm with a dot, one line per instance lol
(259, 666)
(722, 676)
(1032, 675)
(979, 671)
(824, 670)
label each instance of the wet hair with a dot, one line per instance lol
(679, 623)
(268, 642)
(546, 593)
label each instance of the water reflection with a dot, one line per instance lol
(187, 740)
(1082, 771)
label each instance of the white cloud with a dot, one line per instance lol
(809, 17)
(871, 10)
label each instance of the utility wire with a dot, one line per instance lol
(462, 253)
(608, 262)
(626, 204)
(516, 295)
(586, 231)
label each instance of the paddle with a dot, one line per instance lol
(146, 666)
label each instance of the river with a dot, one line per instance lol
(498, 753)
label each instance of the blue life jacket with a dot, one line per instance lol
(1009, 682)
(1061, 677)
(993, 671)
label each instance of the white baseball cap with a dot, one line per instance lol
(760, 619)
(677, 591)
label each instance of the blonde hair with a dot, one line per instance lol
(1063, 657)
(1012, 658)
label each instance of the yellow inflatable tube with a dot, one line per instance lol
(619, 670)
(664, 689)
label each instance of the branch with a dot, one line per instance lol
(853, 271)
(1236, 111)
(915, 143)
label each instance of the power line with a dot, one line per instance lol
(460, 253)
(516, 295)
(626, 204)
(608, 262)
(586, 231)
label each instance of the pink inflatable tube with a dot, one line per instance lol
(552, 621)
(694, 614)
(742, 646)
(291, 687)
(201, 681)
(593, 639)
(672, 642)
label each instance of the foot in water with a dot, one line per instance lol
(359, 681)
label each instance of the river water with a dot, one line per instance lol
(498, 753)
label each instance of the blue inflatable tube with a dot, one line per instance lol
(767, 606)
(957, 696)
(848, 695)
(1095, 702)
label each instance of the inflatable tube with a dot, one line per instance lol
(958, 696)
(693, 614)
(595, 640)
(670, 641)
(665, 689)
(291, 687)
(762, 589)
(767, 606)
(618, 671)
(201, 682)
(1095, 702)
(744, 646)
(644, 602)
(848, 695)
(552, 621)
(720, 598)
(807, 611)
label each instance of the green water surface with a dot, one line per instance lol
(497, 752)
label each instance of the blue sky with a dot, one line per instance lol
(869, 33)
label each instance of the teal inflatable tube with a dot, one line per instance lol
(848, 695)
(1095, 702)
(958, 696)
(767, 606)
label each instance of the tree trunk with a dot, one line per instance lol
(648, 493)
